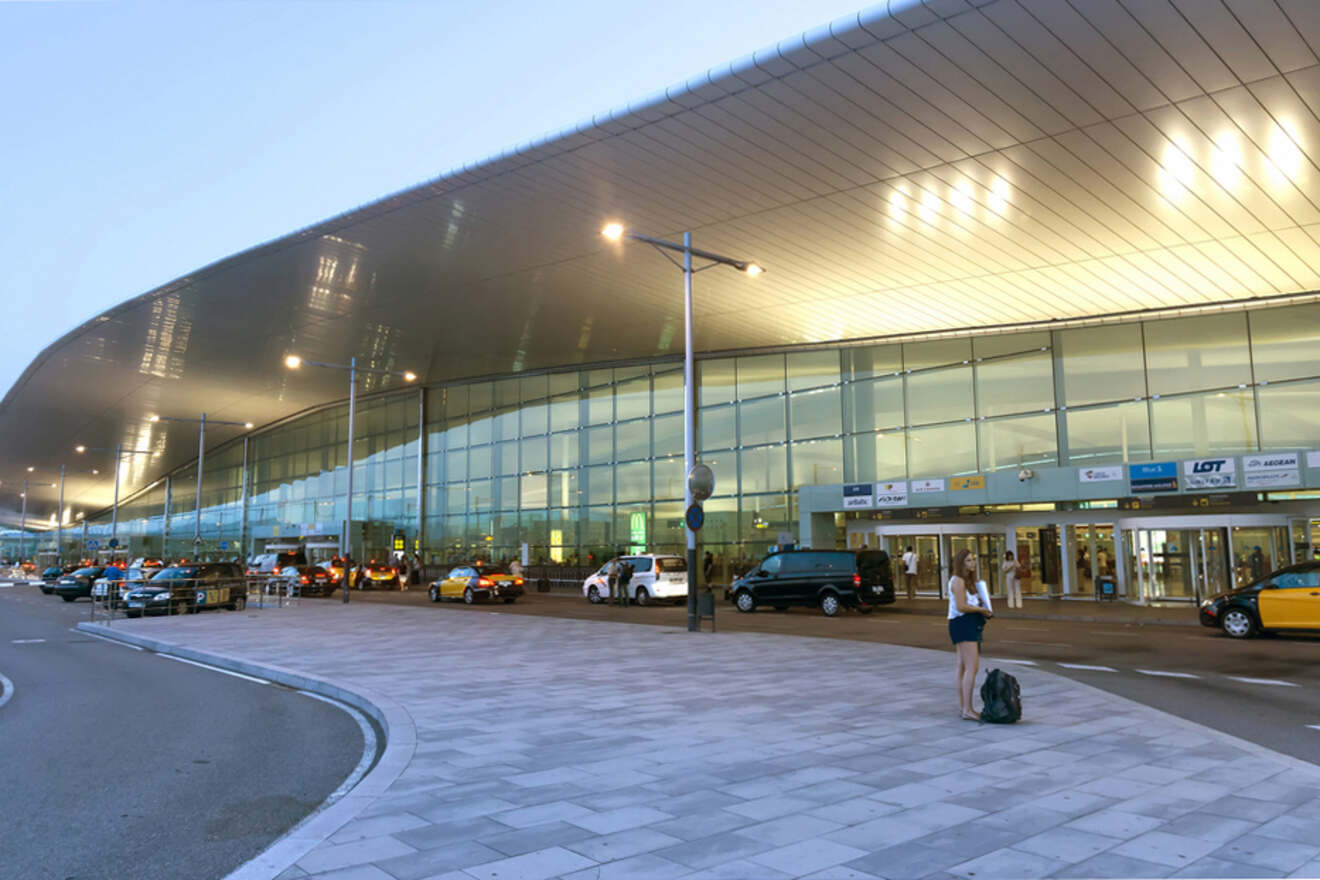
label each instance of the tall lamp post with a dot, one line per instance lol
(119, 452)
(201, 455)
(617, 232)
(22, 527)
(294, 362)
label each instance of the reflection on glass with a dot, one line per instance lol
(1204, 424)
(939, 395)
(1283, 342)
(1020, 441)
(1101, 364)
(1290, 415)
(1108, 434)
(1197, 353)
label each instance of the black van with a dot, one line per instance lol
(828, 579)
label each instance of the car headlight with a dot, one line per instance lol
(161, 597)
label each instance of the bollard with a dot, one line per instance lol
(706, 608)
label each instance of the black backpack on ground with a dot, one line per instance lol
(1001, 698)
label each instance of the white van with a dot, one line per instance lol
(655, 576)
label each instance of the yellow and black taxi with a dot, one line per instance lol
(375, 576)
(472, 584)
(189, 588)
(1284, 600)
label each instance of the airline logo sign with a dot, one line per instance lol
(1271, 470)
(1100, 474)
(961, 484)
(1159, 476)
(857, 495)
(891, 494)
(1209, 473)
(926, 487)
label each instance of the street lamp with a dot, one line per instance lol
(201, 455)
(120, 452)
(22, 527)
(295, 362)
(617, 232)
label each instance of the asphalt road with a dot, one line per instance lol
(1189, 671)
(121, 763)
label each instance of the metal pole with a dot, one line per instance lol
(59, 524)
(114, 511)
(689, 421)
(243, 496)
(201, 454)
(348, 512)
(22, 529)
(165, 526)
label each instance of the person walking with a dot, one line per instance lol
(967, 616)
(910, 572)
(707, 568)
(1011, 586)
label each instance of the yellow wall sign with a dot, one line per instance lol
(959, 483)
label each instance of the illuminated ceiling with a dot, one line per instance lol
(930, 166)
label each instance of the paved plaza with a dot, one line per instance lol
(523, 748)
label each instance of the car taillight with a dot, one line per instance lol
(485, 582)
(518, 582)
(277, 570)
(305, 580)
(857, 580)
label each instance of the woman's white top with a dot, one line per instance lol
(973, 599)
(1009, 569)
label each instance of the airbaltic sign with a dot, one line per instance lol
(866, 495)
(1209, 473)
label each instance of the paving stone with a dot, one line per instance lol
(357, 872)
(1111, 864)
(771, 807)
(376, 826)
(649, 866)
(706, 852)
(622, 844)
(970, 839)
(1068, 844)
(525, 840)
(1115, 823)
(695, 826)
(538, 865)
(854, 811)
(432, 835)
(620, 819)
(1209, 866)
(1267, 852)
(1298, 829)
(807, 856)
(555, 811)
(1249, 809)
(789, 829)
(1008, 863)
(1165, 848)
(359, 852)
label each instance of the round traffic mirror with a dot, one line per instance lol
(701, 482)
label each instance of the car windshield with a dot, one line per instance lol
(94, 571)
(51, 572)
(671, 564)
(176, 572)
(135, 574)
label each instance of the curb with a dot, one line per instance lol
(400, 742)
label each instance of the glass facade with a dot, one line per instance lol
(580, 463)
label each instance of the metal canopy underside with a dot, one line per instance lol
(935, 165)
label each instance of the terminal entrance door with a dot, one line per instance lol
(1178, 564)
(930, 565)
(989, 552)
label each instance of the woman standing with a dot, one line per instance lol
(1011, 586)
(966, 620)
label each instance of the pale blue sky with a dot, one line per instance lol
(142, 141)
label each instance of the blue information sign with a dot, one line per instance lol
(1158, 476)
(92, 544)
(695, 517)
(114, 542)
(224, 545)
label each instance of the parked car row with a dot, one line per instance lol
(147, 586)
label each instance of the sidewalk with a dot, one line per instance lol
(524, 748)
(1078, 610)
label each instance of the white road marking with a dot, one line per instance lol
(1018, 662)
(215, 669)
(1162, 674)
(9, 690)
(1314, 726)
(1037, 644)
(1088, 667)
(26, 641)
(1270, 681)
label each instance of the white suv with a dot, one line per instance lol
(654, 577)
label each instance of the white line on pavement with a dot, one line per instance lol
(1314, 726)
(1088, 667)
(1034, 643)
(26, 641)
(1018, 662)
(1270, 681)
(9, 690)
(215, 669)
(1162, 674)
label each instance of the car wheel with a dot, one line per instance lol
(642, 597)
(745, 601)
(468, 596)
(509, 600)
(68, 598)
(434, 594)
(593, 595)
(829, 603)
(1238, 623)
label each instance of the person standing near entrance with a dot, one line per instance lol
(910, 572)
(967, 617)
(1012, 588)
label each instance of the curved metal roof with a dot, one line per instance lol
(917, 167)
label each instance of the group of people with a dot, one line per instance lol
(1012, 570)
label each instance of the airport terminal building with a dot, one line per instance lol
(1039, 277)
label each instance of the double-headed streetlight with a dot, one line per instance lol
(22, 528)
(294, 362)
(617, 232)
(201, 455)
(119, 452)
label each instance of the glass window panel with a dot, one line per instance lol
(480, 431)
(1018, 442)
(632, 440)
(667, 529)
(939, 395)
(872, 404)
(565, 413)
(479, 463)
(938, 353)
(480, 397)
(600, 445)
(534, 419)
(761, 421)
(534, 455)
(633, 481)
(1108, 434)
(456, 435)
(532, 388)
(1198, 353)
(760, 375)
(718, 428)
(562, 383)
(1204, 424)
(764, 469)
(506, 393)
(456, 495)
(600, 405)
(715, 379)
(508, 493)
(721, 527)
(631, 527)
(480, 496)
(763, 518)
(595, 378)
(668, 435)
(633, 399)
(506, 425)
(455, 401)
(816, 413)
(1283, 343)
(599, 481)
(1101, 364)
(669, 477)
(941, 450)
(877, 456)
(533, 491)
(564, 450)
(668, 395)
(812, 369)
(817, 462)
(998, 344)
(1015, 384)
(1290, 415)
(624, 374)
(564, 489)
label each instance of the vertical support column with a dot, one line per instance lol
(59, 524)
(1068, 560)
(346, 542)
(1121, 563)
(689, 432)
(201, 454)
(114, 510)
(243, 493)
(165, 529)
(421, 469)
